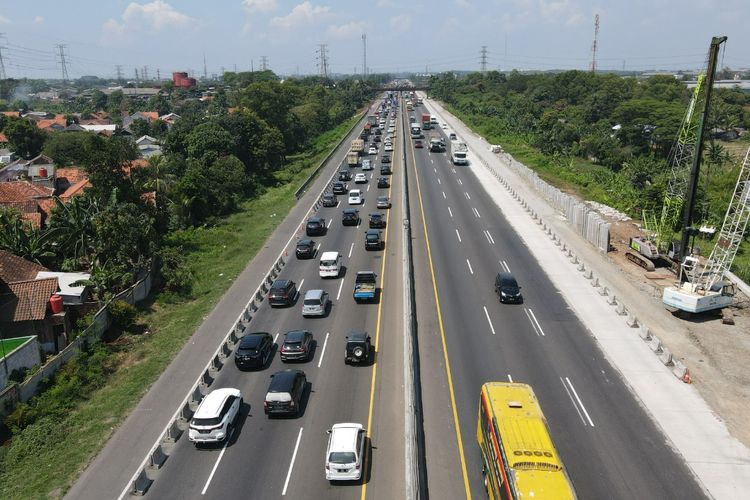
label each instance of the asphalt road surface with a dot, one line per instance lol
(610, 446)
(271, 458)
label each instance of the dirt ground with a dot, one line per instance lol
(717, 354)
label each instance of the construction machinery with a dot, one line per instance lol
(702, 285)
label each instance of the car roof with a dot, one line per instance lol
(329, 255)
(506, 278)
(314, 294)
(383, 197)
(296, 335)
(281, 283)
(282, 381)
(355, 192)
(344, 437)
(350, 210)
(357, 336)
(373, 231)
(211, 405)
(305, 241)
(315, 218)
(252, 339)
(328, 195)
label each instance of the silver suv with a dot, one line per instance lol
(315, 303)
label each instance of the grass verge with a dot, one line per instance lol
(217, 255)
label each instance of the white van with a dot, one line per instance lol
(330, 265)
(345, 451)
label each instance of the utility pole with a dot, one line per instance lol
(263, 63)
(594, 45)
(364, 55)
(61, 53)
(323, 60)
(205, 72)
(3, 76)
(505, 54)
(687, 214)
(158, 75)
(484, 58)
(252, 69)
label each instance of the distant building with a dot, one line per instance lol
(148, 146)
(182, 80)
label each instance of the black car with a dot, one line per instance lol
(340, 188)
(385, 170)
(378, 131)
(376, 138)
(315, 226)
(305, 249)
(285, 393)
(254, 351)
(374, 240)
(386, 159)
(350, 217)
(358, 348)
(507, 289)
(377, 221)
(297, 346)
(345, 175)
(329, 200)
(383, 182)
(282, 293)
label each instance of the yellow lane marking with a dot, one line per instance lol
(377, 329)
(442, 336)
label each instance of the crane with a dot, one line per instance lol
(701, 286)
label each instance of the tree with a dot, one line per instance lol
(74, 229)
(20, 238)
(209, 141)
(140, 127)
(69, 148)
(25, 137)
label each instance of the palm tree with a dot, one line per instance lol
(24, 240)
(75, 231)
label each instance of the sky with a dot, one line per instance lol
(414, 35)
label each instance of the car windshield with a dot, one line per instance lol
(311, 302)
(294, 344)
(372, 236)
(326, 263)
(206, 422)
(342, 457)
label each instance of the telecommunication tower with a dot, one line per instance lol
(323, 59)
(63, 65)
(364, 55)
(484, 58)
(263, 63)
(593, 45)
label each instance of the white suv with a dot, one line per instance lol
(345, 451)
(216, 415)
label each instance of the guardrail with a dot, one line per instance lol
(143, 477)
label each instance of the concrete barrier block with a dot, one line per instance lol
(141, 484)
(274, 272)
(206, 379)
(197, 396)
(587, 273)
(174, 432)
(233, 337)
(269, 279)
(604, 291)
(157, 458)
(612, 300)
(654, 344)
(226, 350)
(680, 371)
(253, 304)
(264, 287)
(621, 309)
(186, 413)
(217, 363)
(665, 356)
(632, 321)
(644, 332)
(595, 281)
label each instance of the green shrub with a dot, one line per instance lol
(178, 278)
(122, 314)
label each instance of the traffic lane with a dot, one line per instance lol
(621, 438)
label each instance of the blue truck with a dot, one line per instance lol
(364, 286)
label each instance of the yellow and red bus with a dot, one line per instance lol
(518, 457)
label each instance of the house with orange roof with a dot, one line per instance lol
(33, 201)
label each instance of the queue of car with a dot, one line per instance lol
(219, 411)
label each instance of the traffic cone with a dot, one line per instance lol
(686, 377)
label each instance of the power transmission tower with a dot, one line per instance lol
(205, 72)
(593, 45)
(263, 63)
(323, 60)
(158, 74)
(3, 76)
(484, 58)
(364, 55)
(118, 72)
(144, 73)
(61, 52)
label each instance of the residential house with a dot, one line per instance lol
(71, 181)
(32, 201)
(170, 118)
(25, 303)
(6, 155)
(39, 170)
(149, 116)
(148, 146)
(56, 124)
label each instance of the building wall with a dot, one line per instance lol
(26, 356)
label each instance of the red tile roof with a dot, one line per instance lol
(16, 191)
(27, 300)
(151, 115)
(3, 138)
(12, 114)
(75, 189)
(14, 268)
(71, 175)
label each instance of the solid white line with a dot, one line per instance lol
(299, 288)
(444, 197)
(469, 264)
(291, 464)
(458, 235)
(467, 195)
(488, 320)
(438, 179)
(329, 223)
(216, 465)
(368, 188)
(572, 400)
(323, 352)
(450, 211)
(510, 379)
(505, 265)
(492, 240)
(476, 212)
(340, 287)
(460, 183)
(351, 248)
(591, 422)
(487, 235)
(433, 168)
(276, 337)
(537, 322)
(338, 203)
(533, 324)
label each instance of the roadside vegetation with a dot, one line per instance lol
(197, 215)
(603, 137)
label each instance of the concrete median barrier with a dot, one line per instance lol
(644, 332)
(157, 458)
(665, 356)
(186, 413)
(206, 379)
(612, 300)
(226, 350)
(632, 321)
(680, 371)
(217, 363)
(173, 433)
(141, 484)
(654, 343)
(621, 309)
(197, 396)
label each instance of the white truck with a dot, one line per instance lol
(459, 152)
(358, 146)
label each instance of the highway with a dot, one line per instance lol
(611, 447)
(273, 458)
